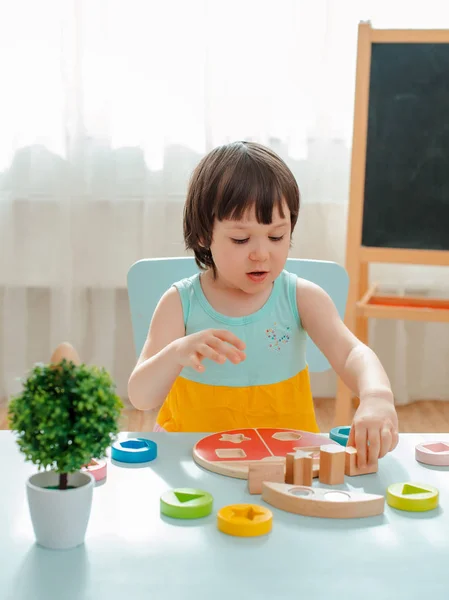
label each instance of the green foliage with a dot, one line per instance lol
(65, 415)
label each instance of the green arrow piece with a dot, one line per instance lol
(412, 489)
(183, 497)
(186, 503)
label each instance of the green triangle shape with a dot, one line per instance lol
(185, 497)
(411, 489)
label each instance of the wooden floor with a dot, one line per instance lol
(419, 417)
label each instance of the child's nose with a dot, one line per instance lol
(258, 253)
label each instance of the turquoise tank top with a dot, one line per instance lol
(270, 388)
(274, 337)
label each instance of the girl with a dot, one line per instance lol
(226, 347)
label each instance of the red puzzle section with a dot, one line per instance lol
(283, 441)
(232, 442)
(255, 444)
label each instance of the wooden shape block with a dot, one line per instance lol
(413, 497)
(264, 471)
(299, 468)
(289, 462)
(314, 453)
(332, 464)
(351, 468)
(321, 502)
(433, 453)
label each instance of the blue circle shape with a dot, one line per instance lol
(134, 450)
(340, 435)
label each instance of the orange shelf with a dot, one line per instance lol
(404, 308)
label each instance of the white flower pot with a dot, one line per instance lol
(60, 517)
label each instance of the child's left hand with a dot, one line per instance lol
(376, 422)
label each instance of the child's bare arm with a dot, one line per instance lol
(356, 364)
(359, 368)
(157, 367)
(167, 350)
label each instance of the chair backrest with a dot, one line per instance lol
(149, 278)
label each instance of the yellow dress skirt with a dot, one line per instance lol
(198, 407)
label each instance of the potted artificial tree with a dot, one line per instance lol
(66, 414)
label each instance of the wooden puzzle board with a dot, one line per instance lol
(230, 452)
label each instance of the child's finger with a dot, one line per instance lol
(373, 446)
(351, 441)
(206, 351)
(196, 362)
(394, 439)
(385, 441)
(228, 336)
(228, 351)
(360, 439)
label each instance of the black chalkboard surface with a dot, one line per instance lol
(406, 199)
(399, 192)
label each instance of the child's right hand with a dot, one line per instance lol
(215, 344)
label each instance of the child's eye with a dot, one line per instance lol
(239, 241)
(276, 239)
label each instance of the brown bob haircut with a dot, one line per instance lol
(226, 183)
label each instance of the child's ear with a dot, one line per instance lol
(204, 244)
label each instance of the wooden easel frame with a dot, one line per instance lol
(363, 301)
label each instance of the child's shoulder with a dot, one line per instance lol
(178, 289)
(184, 290)
(311, 298)
(299, 285)
(186, 282)
(307, 288)
(307, 293)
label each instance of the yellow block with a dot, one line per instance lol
(413, 497)
(244, 520)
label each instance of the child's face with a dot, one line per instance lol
(249, 255)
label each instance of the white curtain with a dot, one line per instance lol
(105, 108)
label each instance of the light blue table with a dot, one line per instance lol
(131, 552)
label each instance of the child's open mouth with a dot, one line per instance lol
(257, 275)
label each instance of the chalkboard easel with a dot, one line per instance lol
(399, 189)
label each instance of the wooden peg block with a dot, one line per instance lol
(299, 468)
(258, 472)
(351, 468)
(314, 452)
(289, 462)
(332, 464)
